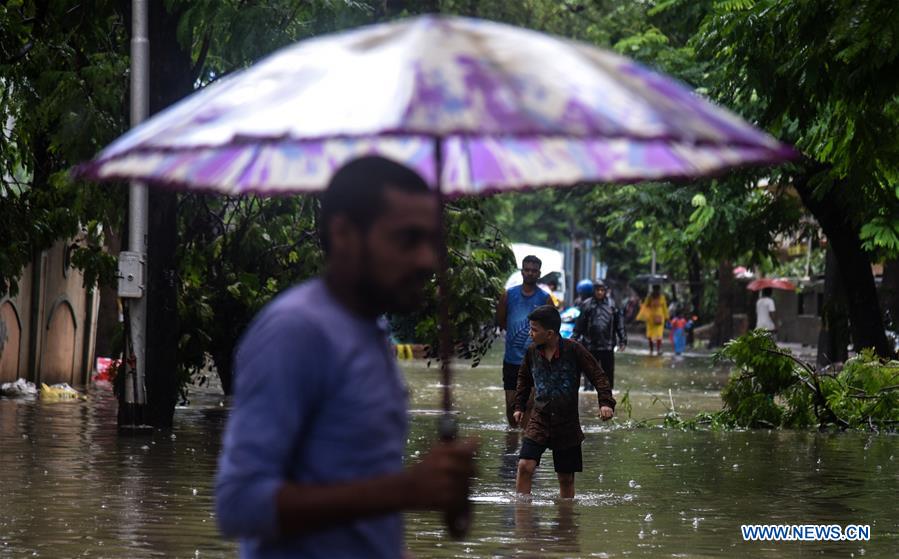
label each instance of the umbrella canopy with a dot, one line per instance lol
(763, 283)
(495, 107)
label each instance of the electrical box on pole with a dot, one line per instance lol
(131, 275)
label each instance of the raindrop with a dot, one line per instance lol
(648, 517)
(194, 491)
(736, 466)
(632, 484)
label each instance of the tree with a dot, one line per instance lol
(60, 99)
(822, 75)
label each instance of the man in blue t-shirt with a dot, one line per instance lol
(512, 316)
(312, 461)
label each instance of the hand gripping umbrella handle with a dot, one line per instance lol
(458, 518)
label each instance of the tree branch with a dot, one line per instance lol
(201, 58)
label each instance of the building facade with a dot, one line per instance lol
(48, 330)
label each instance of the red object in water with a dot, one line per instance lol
(762, 283)
(103, 369)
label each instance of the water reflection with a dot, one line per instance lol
(539, 528)
(70, 486)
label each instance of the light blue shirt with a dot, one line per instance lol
(319, 399)
(518, 328)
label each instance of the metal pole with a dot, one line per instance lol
(653, 268)
(458, 519)
(135, 386)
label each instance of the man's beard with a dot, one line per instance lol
(384, 299)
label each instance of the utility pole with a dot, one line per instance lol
(133, 262)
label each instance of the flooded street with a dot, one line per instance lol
(71, 487)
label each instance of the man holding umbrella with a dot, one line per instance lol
(312, 464)
(600, 327)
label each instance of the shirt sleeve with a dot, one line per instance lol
(278, 375)
(591, 367)
(525, 383)
(771, 306)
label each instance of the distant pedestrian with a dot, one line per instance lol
(512, 316)
(600, 328)
(765, 312)
(680, 327)
(654, 312)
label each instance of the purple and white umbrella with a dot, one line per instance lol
(505, 107)
(473, 106)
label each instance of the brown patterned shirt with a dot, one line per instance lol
(555, 422)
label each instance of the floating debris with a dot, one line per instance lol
(20, 388)
(61, 391)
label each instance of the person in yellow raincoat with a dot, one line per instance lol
(654, 312)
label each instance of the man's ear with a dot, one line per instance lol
(343, 235)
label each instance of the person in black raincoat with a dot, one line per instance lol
(600, 327)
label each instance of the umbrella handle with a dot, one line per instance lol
(457, 518)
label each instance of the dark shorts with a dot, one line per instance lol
(510, 376)
(566, 460)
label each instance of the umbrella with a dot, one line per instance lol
(774, 283)
(473, 106)
(502, 107)
(650, 279)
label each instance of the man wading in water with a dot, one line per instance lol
(312, 464)
(553, 366)
(512, 312)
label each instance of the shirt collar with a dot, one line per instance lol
(556, 354)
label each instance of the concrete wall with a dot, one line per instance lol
(53, 325)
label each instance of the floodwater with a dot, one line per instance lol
(71, 487)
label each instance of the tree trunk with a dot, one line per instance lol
(223, 357)
(170, 80)
(889, 292)
(108, 326)
(697, 287)
(833, 339)
(724, 315)
(831, 209)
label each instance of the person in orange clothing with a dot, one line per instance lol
(654, 312)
